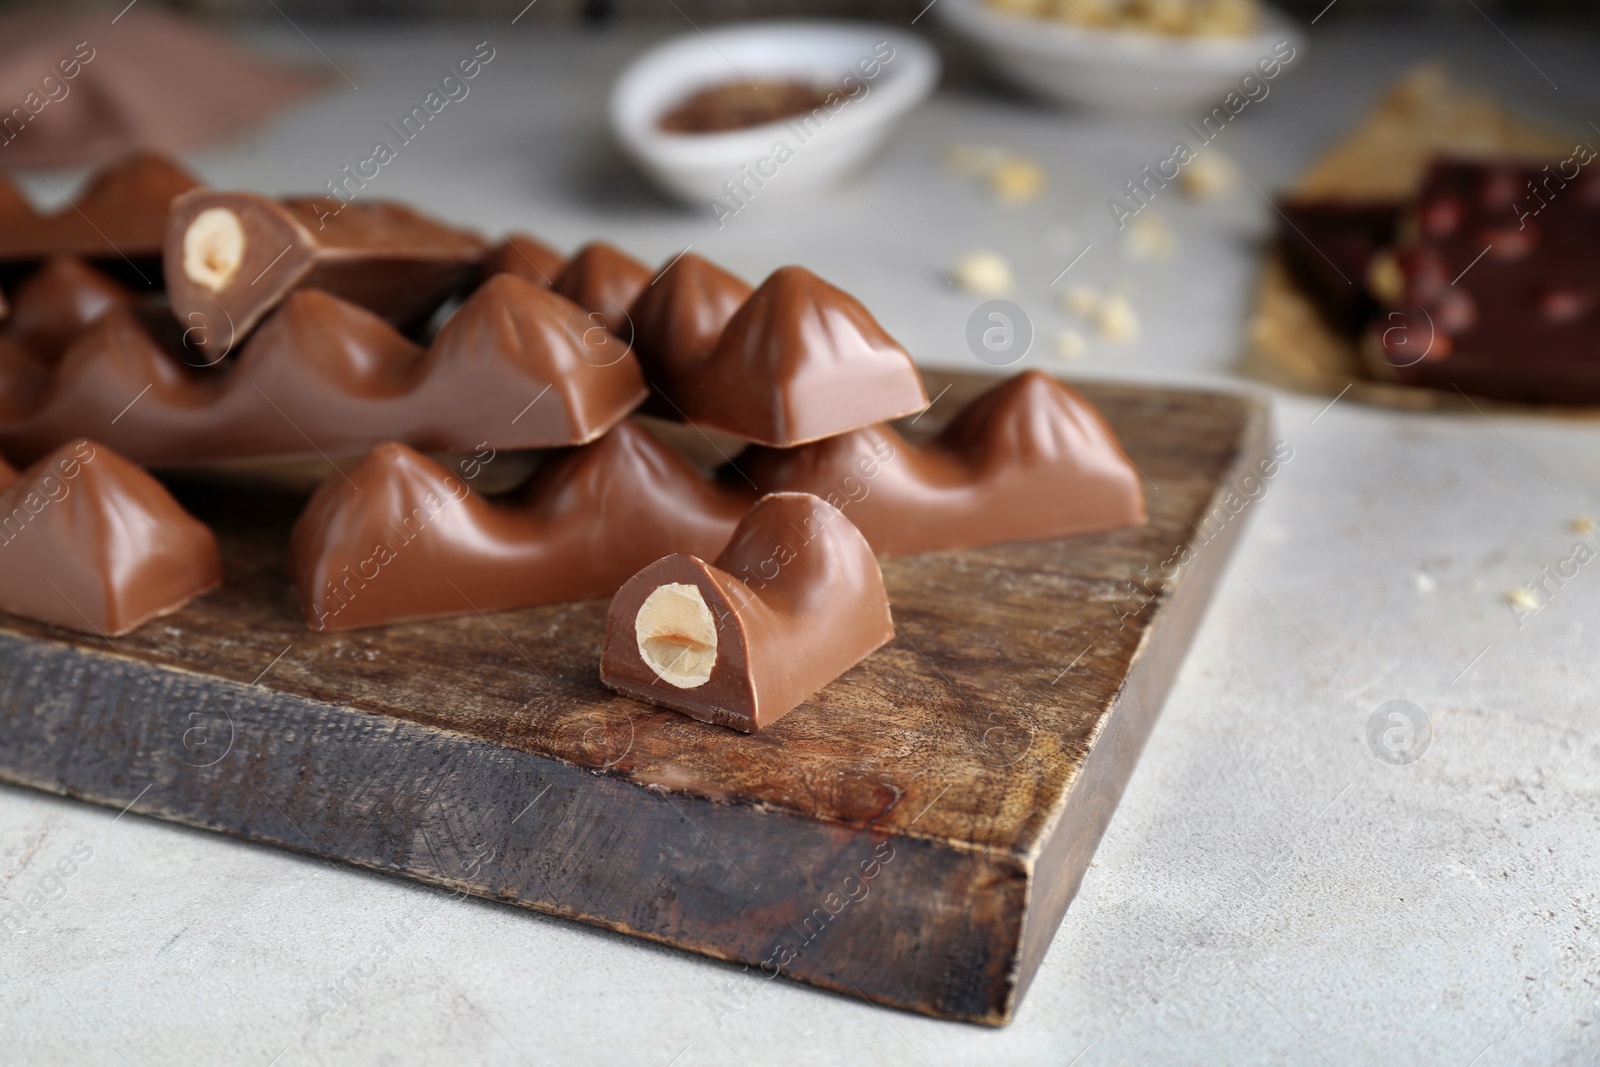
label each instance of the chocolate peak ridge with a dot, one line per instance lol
(58, 302)
(602, 280)
(399, 537)
(799, 361)
(543, 339)
(1028, 459)
(91, 542)
(794, 601)
(527, 257)
(120, 213)
(324, 377)
(677, 320)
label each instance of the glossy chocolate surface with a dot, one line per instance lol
(401, 538)
(677, 320)
(385, 257)
(324, 378)
(794, 601)
(527, 257)
(799, 361)
(1028, 460)
(1501, 285)
(604, 281)
(58, 302)
(119, 217)
(91, 542)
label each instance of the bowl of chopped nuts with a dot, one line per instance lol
(1150, 57)
(766, 109)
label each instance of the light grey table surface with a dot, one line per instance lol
(1270, 891)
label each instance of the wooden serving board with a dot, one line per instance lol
(912, 835)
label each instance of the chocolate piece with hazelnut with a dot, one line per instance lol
(794, 601)
(231, 257)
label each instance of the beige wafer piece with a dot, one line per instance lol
(1421, 116)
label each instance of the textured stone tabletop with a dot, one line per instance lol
(1282, 882)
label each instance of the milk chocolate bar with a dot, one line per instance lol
(799, 361)
(1029, 459)
(526, 257)
(677, 320)
(91, 542)
(24, 377)
(119, 219)
(231, 257)
(58, 302)
(794, 601)
(1495, 288)
(605, 282)
(324, 378)
(399, 537)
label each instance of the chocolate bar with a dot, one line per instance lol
(231, 257)
(1029, 459)
(604, 282)
(58, 302)
(324, 378)
(677, 320)
(794, 601)
(91, 542)
(526, 257)
(1328, 247)
(799, 361)
(24, 377)
(1495, 288)
(120, 219)
(399, 537)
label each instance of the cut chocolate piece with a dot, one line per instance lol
(323, 378)
(399, 537)
(1498, 284)
(527, 257)
(604, 282)
(58, 302)
(119, 218)
(1029, 459)
(800, 361)
(232, 257)
(91, 542)
(677, 320)
(794, 601)
(1328, 248)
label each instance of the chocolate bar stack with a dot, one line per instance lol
(1487, 281)
(378, 339)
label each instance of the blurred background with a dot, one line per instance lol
(603, 11)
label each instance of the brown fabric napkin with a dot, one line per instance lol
(84, 89)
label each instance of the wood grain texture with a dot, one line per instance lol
(969, 767)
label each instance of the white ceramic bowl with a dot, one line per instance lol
(1118, 71)
(695, 167)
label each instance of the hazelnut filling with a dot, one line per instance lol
(213, 248)
(677, 635)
